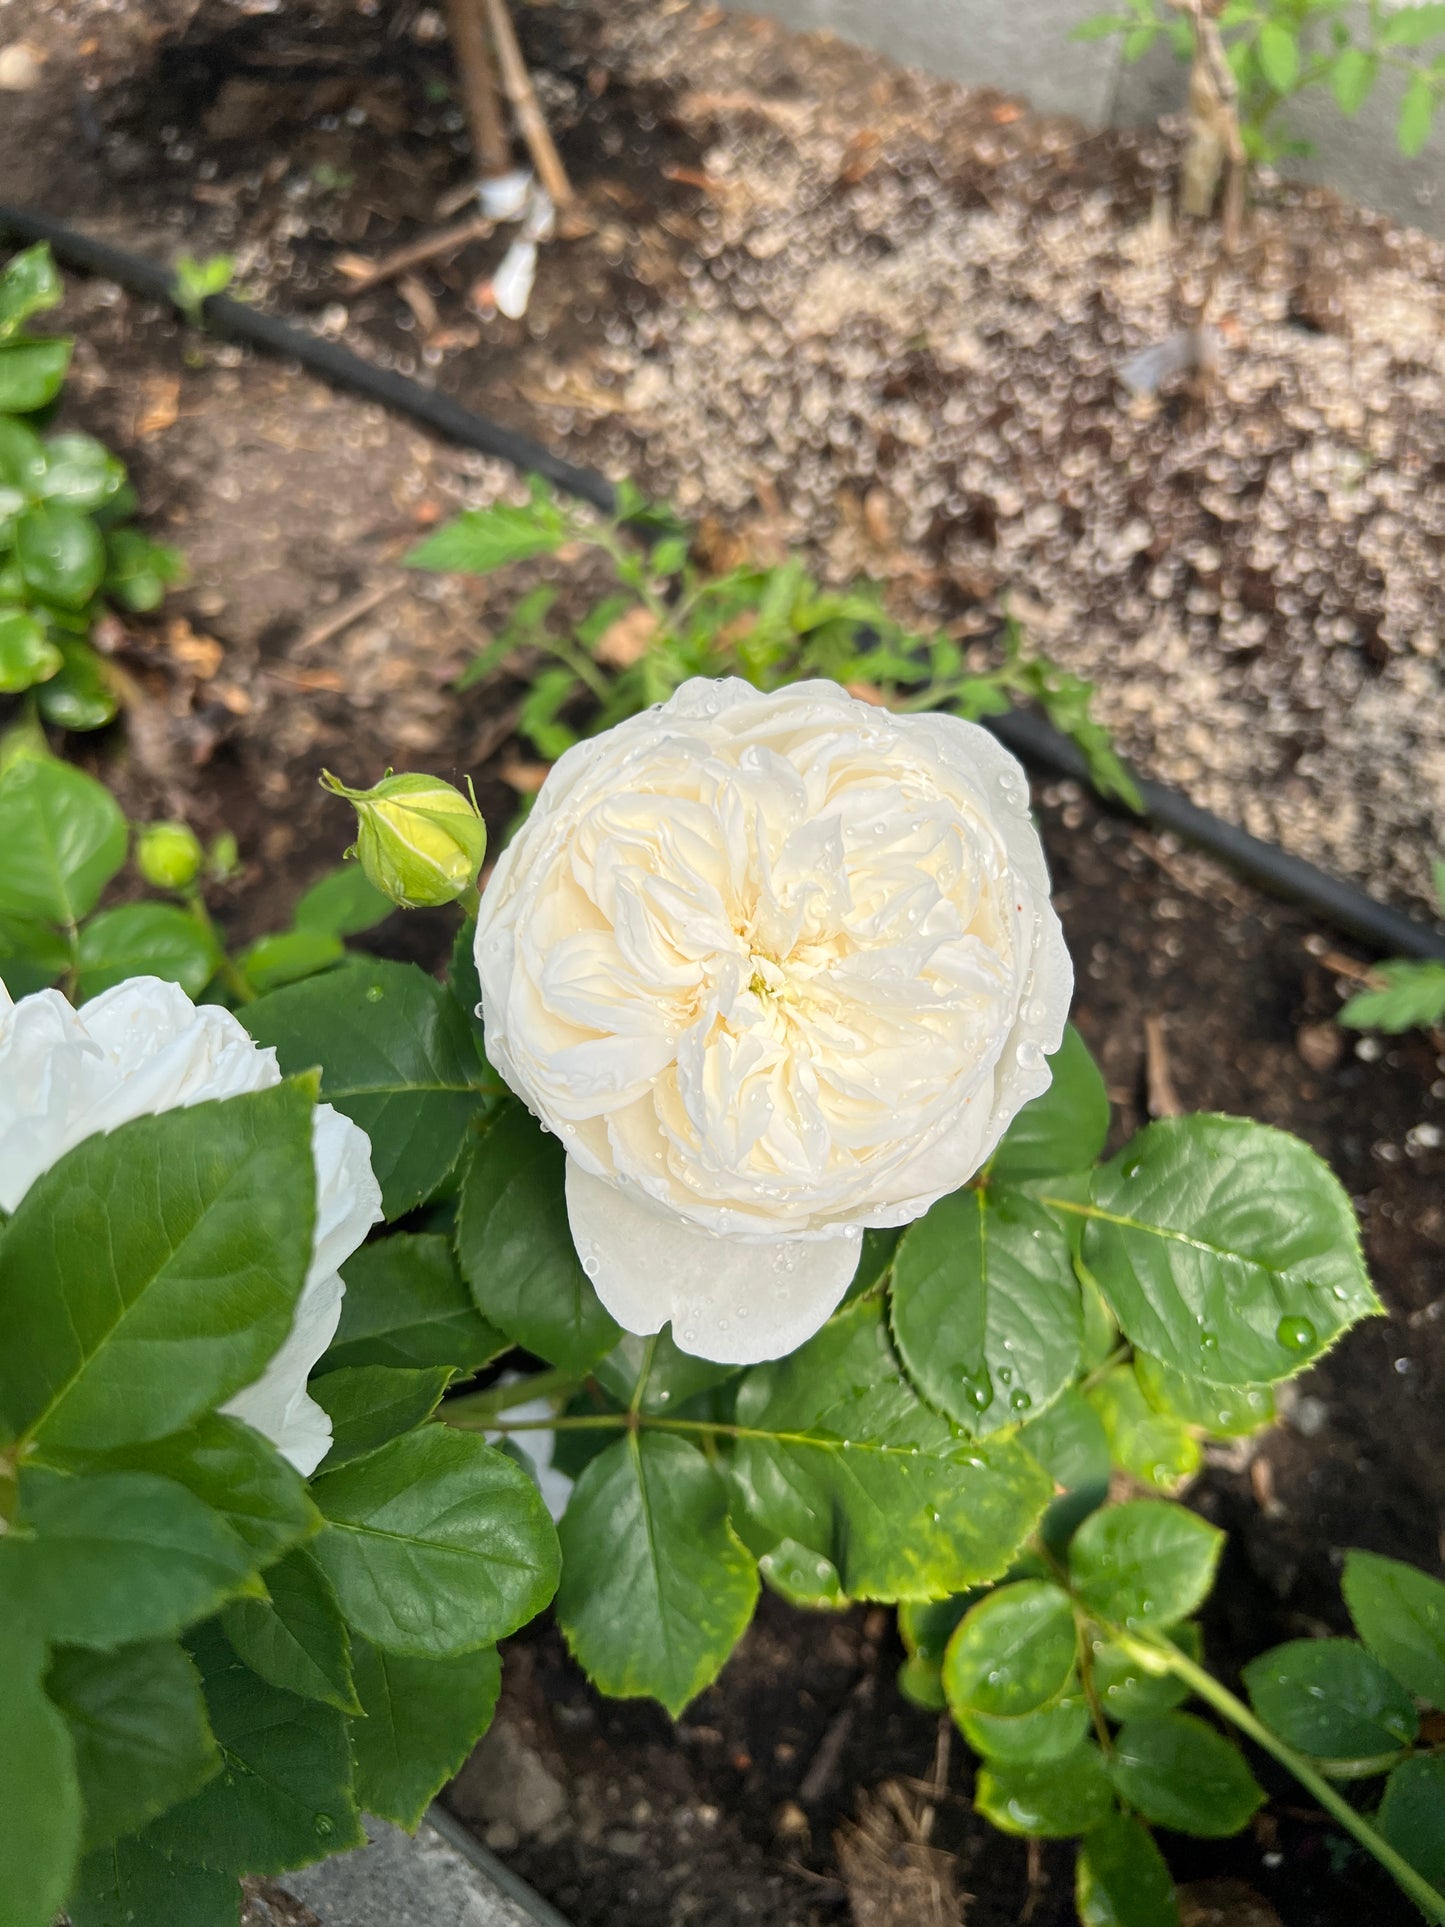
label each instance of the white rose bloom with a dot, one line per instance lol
(775, 968)
(142, 1048)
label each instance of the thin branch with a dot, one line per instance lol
(520, 92)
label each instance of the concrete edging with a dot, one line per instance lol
(439, 1877)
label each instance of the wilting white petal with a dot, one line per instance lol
(142, 1048)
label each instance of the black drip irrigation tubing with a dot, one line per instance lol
(1034, 741)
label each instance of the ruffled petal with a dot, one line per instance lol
(737, 1302)
(278, 1404)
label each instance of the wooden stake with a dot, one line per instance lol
(490, 146)
(519, 90)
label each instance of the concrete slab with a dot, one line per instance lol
(1021, 49)
(439, 1878)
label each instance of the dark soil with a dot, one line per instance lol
(325, 128)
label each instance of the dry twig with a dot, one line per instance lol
(519, 90)
(479, 87)
(364, 274)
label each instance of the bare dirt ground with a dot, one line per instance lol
(816, 299)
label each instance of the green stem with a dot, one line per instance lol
(1430, 1902)
(640, 1387)
(228, 970)
(477, 1409)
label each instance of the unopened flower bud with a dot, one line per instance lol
(168, 855)
(420, 841)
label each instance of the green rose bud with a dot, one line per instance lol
(420, 842)
(168, 855)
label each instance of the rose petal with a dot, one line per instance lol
(733, 1301)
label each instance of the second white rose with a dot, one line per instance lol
(776, 968)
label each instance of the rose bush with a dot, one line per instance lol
(144, 1048)
(776, 968)
(780, 973)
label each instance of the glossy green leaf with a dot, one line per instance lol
(395, 1056)
(32, 956)
(925, 1626)
(238, 1474)
(804, 1578)
(1331, 1699)
(369, 1404)
(145, 940)
(1071, 1445)
(32, 373)
(39, 1790)
(130, 1304)
(22, 457)
(423, 1717)
(516, 1250)
(1150, 1445)
(436, 1544)
(479, 540)
(166, 1559)
(295, 1637)
(838, 1453)
(61, 554)
(1400, 1615)
(1120, 1879)
(27, 656)
(80, 695)
(134, 1884)
(1182, 1774)
(1065, 1129)
(1412, 1815)
(343, 903)
(1127, 1690)
(283, 1796)
(985, 1307)
(656, 1588)
(1228, 1250)
(1034, 1739)
(406, 1305)
(79, 471)
(1049, 1802)
(1013, 1652)
(63, 838)
(29, 284)
(139, 1728)
(289, 957)
(1145, 1562)
(1223, 1411)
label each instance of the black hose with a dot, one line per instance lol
(1388, 931)
(237, 319)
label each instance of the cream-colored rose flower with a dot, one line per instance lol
(143, 1048)
(775, 968)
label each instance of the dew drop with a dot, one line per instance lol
(374, 993)
(1019, 1401)
(591, 1266)
(1209, 1341)
(1295, 1334)
(324, 1825)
